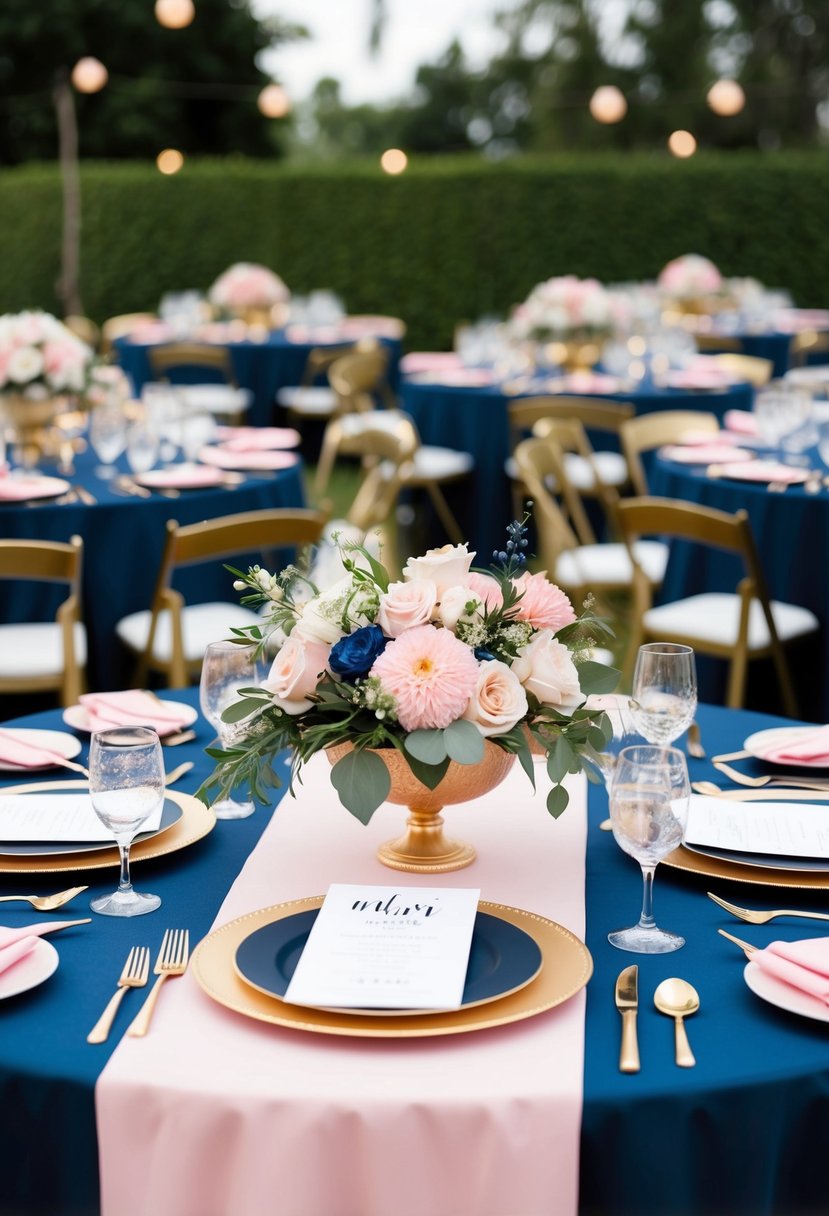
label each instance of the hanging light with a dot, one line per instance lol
(682, 144)
(726, 97)
(393, 161)
(169, 161)
(273, 101)
(608, 104)
(89, 75)
(174, 14)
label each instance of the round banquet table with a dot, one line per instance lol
(124, 540)
(475, 420)
(264, 367)
(792, 534)
(744, 1133)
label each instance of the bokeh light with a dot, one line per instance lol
(174, 14)
(273, 101)
(169, 161)
(726, 98)
(682, 144)
(393, 161)
(608, 104)
(89, 75)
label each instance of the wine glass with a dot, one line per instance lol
(649, 797)
(142, 447)
(227, 667)
(617, 708)
(108, 436)
(126, 783)
(664, 694)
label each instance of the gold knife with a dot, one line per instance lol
(627, 1002)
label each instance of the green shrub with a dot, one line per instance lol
(451, 239)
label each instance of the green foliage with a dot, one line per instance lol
(452, 239)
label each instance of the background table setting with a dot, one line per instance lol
(604, 1141)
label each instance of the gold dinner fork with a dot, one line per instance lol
(762, 918)
(172, 960)
(770, 779)
(693, 744)
(135, 975)
(46, 903)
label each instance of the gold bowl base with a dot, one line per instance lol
(424, 849)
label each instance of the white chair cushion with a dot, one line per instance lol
(612, 468)
(356, 423)
(214, 398)
(609, 565)
(202, 624)
(36, 650)
(316, 401)
(715, 617)
(435, 464)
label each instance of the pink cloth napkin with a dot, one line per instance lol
(257, 438)
(17, 950)
(763, 470)
(813, 748)
(182, 477)
(19, 489)
(795, 320)
(14, 750)
(741, 422)
(804, 964)
(698, 453)
(131, 708)
(591, 382)
(429, 361)
(10, 937)
(459, 377)
(225, 458)
(701, 378)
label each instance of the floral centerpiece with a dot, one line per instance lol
(693, 283)
(439, 669)
(41, 364)
(108, 385)
(575, 315)
(249, 291)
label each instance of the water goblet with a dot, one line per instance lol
(227, 667)
(142, 447)
(108, 436)
(664, 693)
(649, 797)
(126, 785)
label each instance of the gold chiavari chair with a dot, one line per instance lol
(367, 373)
(753, 370)
(203, 355)
(806, 344)
(646, 432)
(718, 343)
(120, 326)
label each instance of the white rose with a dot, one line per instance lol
(322, 617)
(406, 605)
(546, 669)
(24, 364)
(445, 567)
(498, 702)
(316, 625)
(459, 604)
(295, 673)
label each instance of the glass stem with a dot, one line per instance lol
(646, 920)
(124, 883)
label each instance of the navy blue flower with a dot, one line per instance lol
(353, 656)
(482, 654)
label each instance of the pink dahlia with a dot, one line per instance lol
(542, 603)
(430, 674)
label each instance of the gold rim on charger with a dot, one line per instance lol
(735, 871)
(567, 966)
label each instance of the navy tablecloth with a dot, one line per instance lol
(475, 420)
(745, 1133)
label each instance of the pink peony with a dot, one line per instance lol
(488, 588)
(430, 674)
(543, 604)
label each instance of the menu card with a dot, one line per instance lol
(779, 829)
(387, 948)
(56, 819)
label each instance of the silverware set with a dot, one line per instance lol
(171, 960)
(675, 998)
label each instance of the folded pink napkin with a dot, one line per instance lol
(763, 470)
(698, 453)
(14, 750)
(20, 489)
(794, 320)
(224, 458)
(181, 477)
(701, 378)
(9, 955)
(591, 382)
(429, 361)
(257, 438)
(131, 708)
(741, 422)
(813, 748)
(10, 937)
(459, 377)
(804, 964)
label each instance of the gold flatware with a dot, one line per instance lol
(746, 947)
(627, 1002)
(812, 783)
(800, 794)
(46, 903)
(181, 736)
(730, 756)
(128, 486)
(606, 825)
(178, 772)
(85, 495)
(693, 744)
(678, 999)
(754, 917)
(135, 974)
(171, 961)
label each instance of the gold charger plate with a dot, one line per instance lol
(567, 966)
(196, 821)
(734, 871)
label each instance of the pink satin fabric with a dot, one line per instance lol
(216, 1114)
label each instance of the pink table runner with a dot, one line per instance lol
(216, 1115)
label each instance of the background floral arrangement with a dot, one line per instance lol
(565, 307)
(690, 276)
(431, 665)
(40, 357)
(247, 285)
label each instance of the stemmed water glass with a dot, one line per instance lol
(617, 708)
(126, 784)
(108, 436)
(227, 667)
(664, 694)
(649, 797)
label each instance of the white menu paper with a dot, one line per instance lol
(780, 829)
(56, 819)
(387, 948)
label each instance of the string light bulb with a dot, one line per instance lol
(608, 104)
(393, 161)
(169, 161)
(273, 101)
(89, 75)
(726, 98)
(682, 144)
(174, 14)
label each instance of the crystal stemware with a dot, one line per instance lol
(664, 693)
(126, 784)
(649, 797)
(227, 667)
(108, 437)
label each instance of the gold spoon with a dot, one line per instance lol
(678, 999)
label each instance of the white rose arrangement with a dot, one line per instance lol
(40, 357)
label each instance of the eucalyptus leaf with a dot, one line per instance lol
(428, 746)
(240, 709)
(595, 677)
(597, 738)
(429, 775)
(559, 760)
(557, 800)
(464, 742)
(362, 781)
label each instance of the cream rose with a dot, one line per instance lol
(546, 669)
(498, 702)
(295, 673)
(406, 605)
(322, 617)
(459, 604)
(446, 567)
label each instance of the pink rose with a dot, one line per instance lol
(406, 605)
(542, 603)
(295, 673)
(546, 669)
(498, 702)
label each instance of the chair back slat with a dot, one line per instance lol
(190, 354)
(645, 432)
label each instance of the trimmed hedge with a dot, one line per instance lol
(450, 239)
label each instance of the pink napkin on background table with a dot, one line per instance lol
(803, 964)
(257, 438)
(14, 750)
(741, 422)
(132, 707)
(459, 377)
(813, 747)
(181, 477)
(762, 470)
(20, 489)
(429, 361)
(226, 458)
(710, 453)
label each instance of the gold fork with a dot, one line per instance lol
(746, 947)
(46, 903)
(172, 960)
(762, 918)
(693, 744)
(135, 975)
(770, 779)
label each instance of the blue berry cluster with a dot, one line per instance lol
(512, 557)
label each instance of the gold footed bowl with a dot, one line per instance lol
(423, 848)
